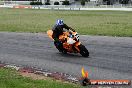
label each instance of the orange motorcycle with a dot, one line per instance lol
(71, 43)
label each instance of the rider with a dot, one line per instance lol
(57, 31)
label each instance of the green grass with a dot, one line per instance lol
(11, 79)
(110, 23)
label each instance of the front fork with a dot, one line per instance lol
(76, 46)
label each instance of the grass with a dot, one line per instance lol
(12, 79)
(110, 23)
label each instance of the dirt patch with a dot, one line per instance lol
(40, 77)
(33, 76)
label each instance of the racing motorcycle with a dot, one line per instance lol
(71, 43)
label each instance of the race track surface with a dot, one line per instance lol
(110, 57)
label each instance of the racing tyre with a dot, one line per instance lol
(83, 51)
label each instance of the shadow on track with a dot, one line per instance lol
(71, 55)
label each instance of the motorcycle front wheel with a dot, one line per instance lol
(83, 51)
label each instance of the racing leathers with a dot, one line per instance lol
(57, 31)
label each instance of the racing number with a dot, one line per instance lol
(77, 36)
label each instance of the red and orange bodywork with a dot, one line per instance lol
(64, 37)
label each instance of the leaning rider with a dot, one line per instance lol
(57, 31)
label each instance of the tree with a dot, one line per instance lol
(65, 2)
(124, 1)
(82, 2)
(47, 3)
(56, 3)
(87, 0)
(108, 2)
(36, 3)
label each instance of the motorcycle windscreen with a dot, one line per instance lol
(71, 41)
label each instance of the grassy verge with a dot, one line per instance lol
(110, 23)
(12, 79)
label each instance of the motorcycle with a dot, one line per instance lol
(71, 43)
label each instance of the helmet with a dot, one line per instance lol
(59, 22)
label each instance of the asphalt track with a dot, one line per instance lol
(110, 57)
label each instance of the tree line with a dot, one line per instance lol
(83, 2)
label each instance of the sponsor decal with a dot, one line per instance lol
(86, 81)
(22, 6)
